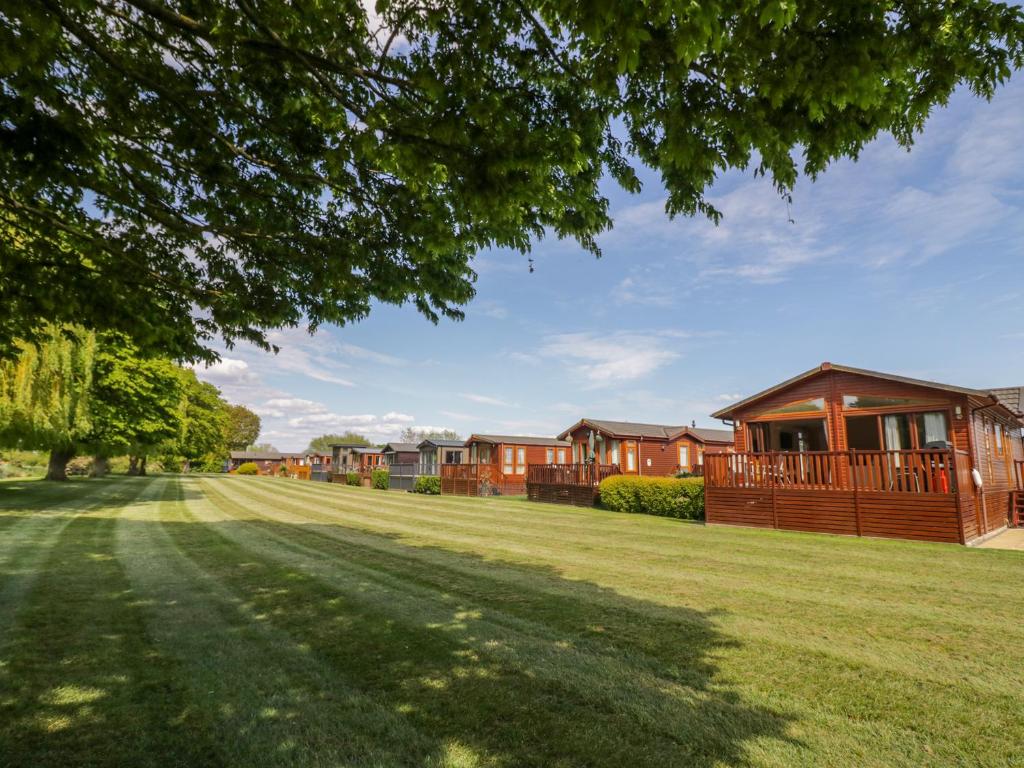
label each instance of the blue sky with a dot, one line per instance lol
(907, 263)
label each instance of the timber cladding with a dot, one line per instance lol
(931, 517)
(837, 472)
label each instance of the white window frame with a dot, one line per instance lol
(684, 456)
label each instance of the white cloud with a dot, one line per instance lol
(604, 359)
(227, 370)
(486, 400)
(727, 398)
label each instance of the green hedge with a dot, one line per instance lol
(427, 484)
(249, 468)
(380, 479)
(682, 498)
(351, 478)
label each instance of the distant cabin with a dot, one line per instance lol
(497, 464)
(267, 462)
(434, 452)
(645, 449)
(846, 450)
(400, 454)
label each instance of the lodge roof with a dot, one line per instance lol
(982, 394)
(400, 448)
(1011, 397)
(441, 442)
(656, 431)
(517, 440)
(365, 449)
(257, 455)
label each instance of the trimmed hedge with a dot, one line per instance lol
(352, 478)
(682, 498)
(427, 484)
(380, 479)
(249, 468)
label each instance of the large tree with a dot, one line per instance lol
(136, 402)
(192, 168)
(46, 395)
(242, 427)
(203, 418)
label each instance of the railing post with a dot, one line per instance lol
(954, 485)
(852, 471)
(771, 480)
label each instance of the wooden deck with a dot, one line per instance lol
(480, 480)
(574, 484)
(896, 494)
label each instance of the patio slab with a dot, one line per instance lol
(1011, 538)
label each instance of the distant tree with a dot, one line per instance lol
(45, 395)
(413, 435)
(242, 427)
(136, 401)
(204, 418)
(187, 170)
(323, 443)
(262, 448)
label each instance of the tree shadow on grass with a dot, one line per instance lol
(486, 662)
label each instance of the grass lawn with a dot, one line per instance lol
(257, 621)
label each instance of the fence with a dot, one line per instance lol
(899, 494)
(915, 472)
(567, 483)
(480, 480)
(402, 477)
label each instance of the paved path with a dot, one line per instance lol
(1011, 538)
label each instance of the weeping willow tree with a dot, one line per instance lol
(45, 395)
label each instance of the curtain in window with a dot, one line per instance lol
(934, 427)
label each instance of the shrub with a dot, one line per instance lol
(249, 468)
(380, 479)
(427, 484)
(665, 496)
(282, 470)
(351, 478)
(211, 462)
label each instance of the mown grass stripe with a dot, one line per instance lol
(81, 684)
(892, 706)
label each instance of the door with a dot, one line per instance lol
(629, 453)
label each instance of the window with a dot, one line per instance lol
(520, 461)
(630, 458)
(615, 452)
(453, 457)
(816, 405)
(561, 455)
(876, 401)
(932, 429)
(684, 456)
(549, 456)
(507, 467)
(997, 432)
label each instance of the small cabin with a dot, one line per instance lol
(497, 464)
(267, 462)
(400, 454)
(846, 450)
(435, 452)
(645, 449)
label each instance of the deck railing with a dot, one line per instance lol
(1018, 473)
(921, 471)
(570, 474)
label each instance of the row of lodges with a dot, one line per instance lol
(499, 464)
(834, 449)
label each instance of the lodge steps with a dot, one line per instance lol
(1017, 509)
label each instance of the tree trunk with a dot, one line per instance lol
(58, 466)
(186, 466)
(100, 466)
(133, 465)
(142, 466)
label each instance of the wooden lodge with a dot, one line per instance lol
(434, 452)
(396, 454)
(497, 464)
(267, 462)
(645, 449)
(850, 451)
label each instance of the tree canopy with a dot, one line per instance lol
(323, 443)
(242, 427)
(191, 169)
